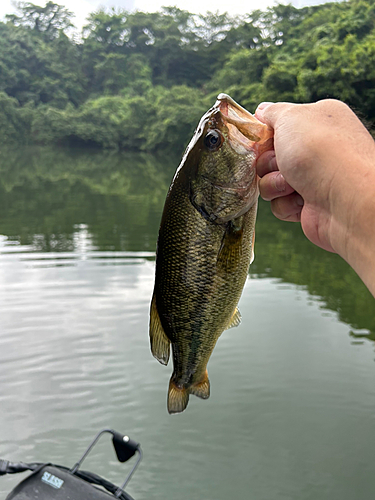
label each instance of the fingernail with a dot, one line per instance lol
(279, 182)
(263, 105)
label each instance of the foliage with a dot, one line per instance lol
(141, 80)
(49, 20)
(158, 119)
(39, 72)
(15, 121)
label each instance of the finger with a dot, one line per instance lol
(263, 105)
(288, 208)
(266, 163)
(268, 112)
(273, 185)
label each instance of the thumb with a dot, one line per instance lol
(269, 112)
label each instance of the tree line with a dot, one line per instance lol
(140, 81)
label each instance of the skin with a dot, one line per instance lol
(321, 173)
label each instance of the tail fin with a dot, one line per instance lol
(177, 398)
(202, 388)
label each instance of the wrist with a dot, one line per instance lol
(359, 246)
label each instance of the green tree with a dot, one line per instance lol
(15, 122)
(32, 70)
(141, 80)
(50, 20)
(177, 112)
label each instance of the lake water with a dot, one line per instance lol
(292, 409)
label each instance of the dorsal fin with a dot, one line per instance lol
(160, 343)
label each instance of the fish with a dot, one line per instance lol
(205, 245)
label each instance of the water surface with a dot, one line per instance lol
(291, 413)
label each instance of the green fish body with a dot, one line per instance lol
(205, 246)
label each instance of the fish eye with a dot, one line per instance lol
(213, 140)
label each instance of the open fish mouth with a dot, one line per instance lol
(243, 128)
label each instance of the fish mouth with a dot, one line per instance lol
(243, 128)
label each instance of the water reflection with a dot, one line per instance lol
(283, 252)
(79, 201)
(45, 194)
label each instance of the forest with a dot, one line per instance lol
(140, 81)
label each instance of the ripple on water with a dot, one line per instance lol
(286, 401)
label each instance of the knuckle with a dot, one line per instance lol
(277, 208)
(267, 192)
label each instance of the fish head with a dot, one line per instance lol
(221, 158)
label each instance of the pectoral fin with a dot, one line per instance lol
(235, 319)
(160, 344)
(230, 252)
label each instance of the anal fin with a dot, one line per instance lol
(252, 248)
(160, 343)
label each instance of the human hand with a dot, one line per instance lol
(322, 173)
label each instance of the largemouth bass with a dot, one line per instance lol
(205, 245)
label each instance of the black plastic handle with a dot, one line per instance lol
(125, 447)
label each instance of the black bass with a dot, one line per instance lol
(205, 245)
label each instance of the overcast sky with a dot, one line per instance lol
(81, 8)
